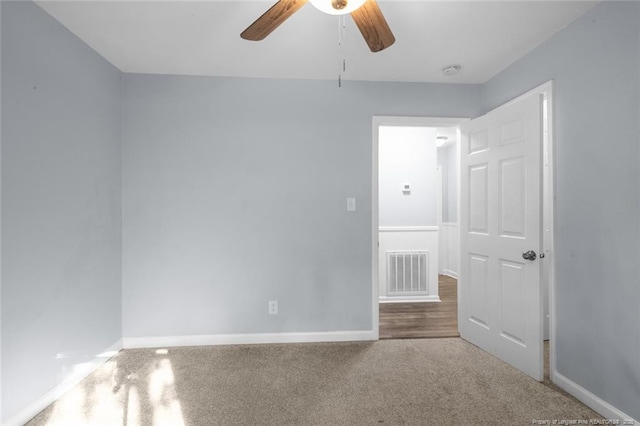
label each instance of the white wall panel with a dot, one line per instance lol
(423, 239)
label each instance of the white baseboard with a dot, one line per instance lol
(592, 401)
(409, 299)
(32, 410)
(449, 273)
(247, 339)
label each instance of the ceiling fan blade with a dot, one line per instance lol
(373, 26)
(271, 19)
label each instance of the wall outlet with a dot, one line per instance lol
(273, 307)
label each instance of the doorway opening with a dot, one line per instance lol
(416, 189)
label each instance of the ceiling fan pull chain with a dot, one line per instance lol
(342, 32)
(343, 69)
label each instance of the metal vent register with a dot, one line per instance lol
(407, 272)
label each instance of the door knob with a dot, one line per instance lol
(529, 255)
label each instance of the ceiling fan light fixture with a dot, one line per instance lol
(337, 7)
(365, 13)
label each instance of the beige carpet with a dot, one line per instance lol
(419, 382)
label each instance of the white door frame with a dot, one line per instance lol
(400, 122)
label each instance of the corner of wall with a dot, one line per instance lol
(1, 213)
(122, 75)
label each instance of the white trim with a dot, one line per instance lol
(549, 242)
(418, 121)
(450, 224)
(458, 215)
(378, 121)
(438, 202)
(408, 229)
(592, 401)
(79, 374)
(0, 232)
(450, 273)
(248, 339)
(410, 299)
(375, 232)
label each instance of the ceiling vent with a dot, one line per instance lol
(441, 140)
(451, 70)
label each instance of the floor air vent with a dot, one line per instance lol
(407, 272)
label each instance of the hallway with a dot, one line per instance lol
(423, 320)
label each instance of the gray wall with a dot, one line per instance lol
(61, 204)
(595, 65)
(235, 194)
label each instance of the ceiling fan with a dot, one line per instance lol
(366, 14)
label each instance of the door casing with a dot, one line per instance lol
(400, 122)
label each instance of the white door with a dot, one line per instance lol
(500, 210)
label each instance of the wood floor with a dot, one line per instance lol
(416, 320)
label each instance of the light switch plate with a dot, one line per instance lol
(351, 204)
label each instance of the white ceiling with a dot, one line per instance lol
(203, 38)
